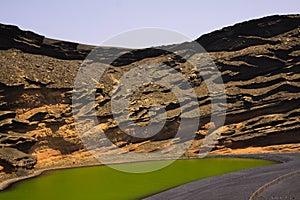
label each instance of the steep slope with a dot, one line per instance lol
(259, 62)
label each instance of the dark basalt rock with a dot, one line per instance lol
(27, 41)
(251, 33)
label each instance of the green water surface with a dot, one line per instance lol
(102, 182)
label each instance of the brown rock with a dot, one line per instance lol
(258, 60)
(16, 140)
(13, 159)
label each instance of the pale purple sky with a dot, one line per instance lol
(93, 22)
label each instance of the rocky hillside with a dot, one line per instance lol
(260, 65)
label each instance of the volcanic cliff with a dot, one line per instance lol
(260, 65)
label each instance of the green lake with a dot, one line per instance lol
(103, 182)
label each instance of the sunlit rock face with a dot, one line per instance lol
(258, 59)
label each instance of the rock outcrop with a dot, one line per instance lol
(13, 160)
(259, 62)
(17, 141)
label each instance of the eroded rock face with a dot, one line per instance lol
(259, 62)
(17, 140)
(12, 159)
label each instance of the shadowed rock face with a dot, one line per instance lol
(259, 62)
(13, 159)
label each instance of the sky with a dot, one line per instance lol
(107, 22)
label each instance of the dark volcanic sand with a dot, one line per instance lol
(241, 185)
